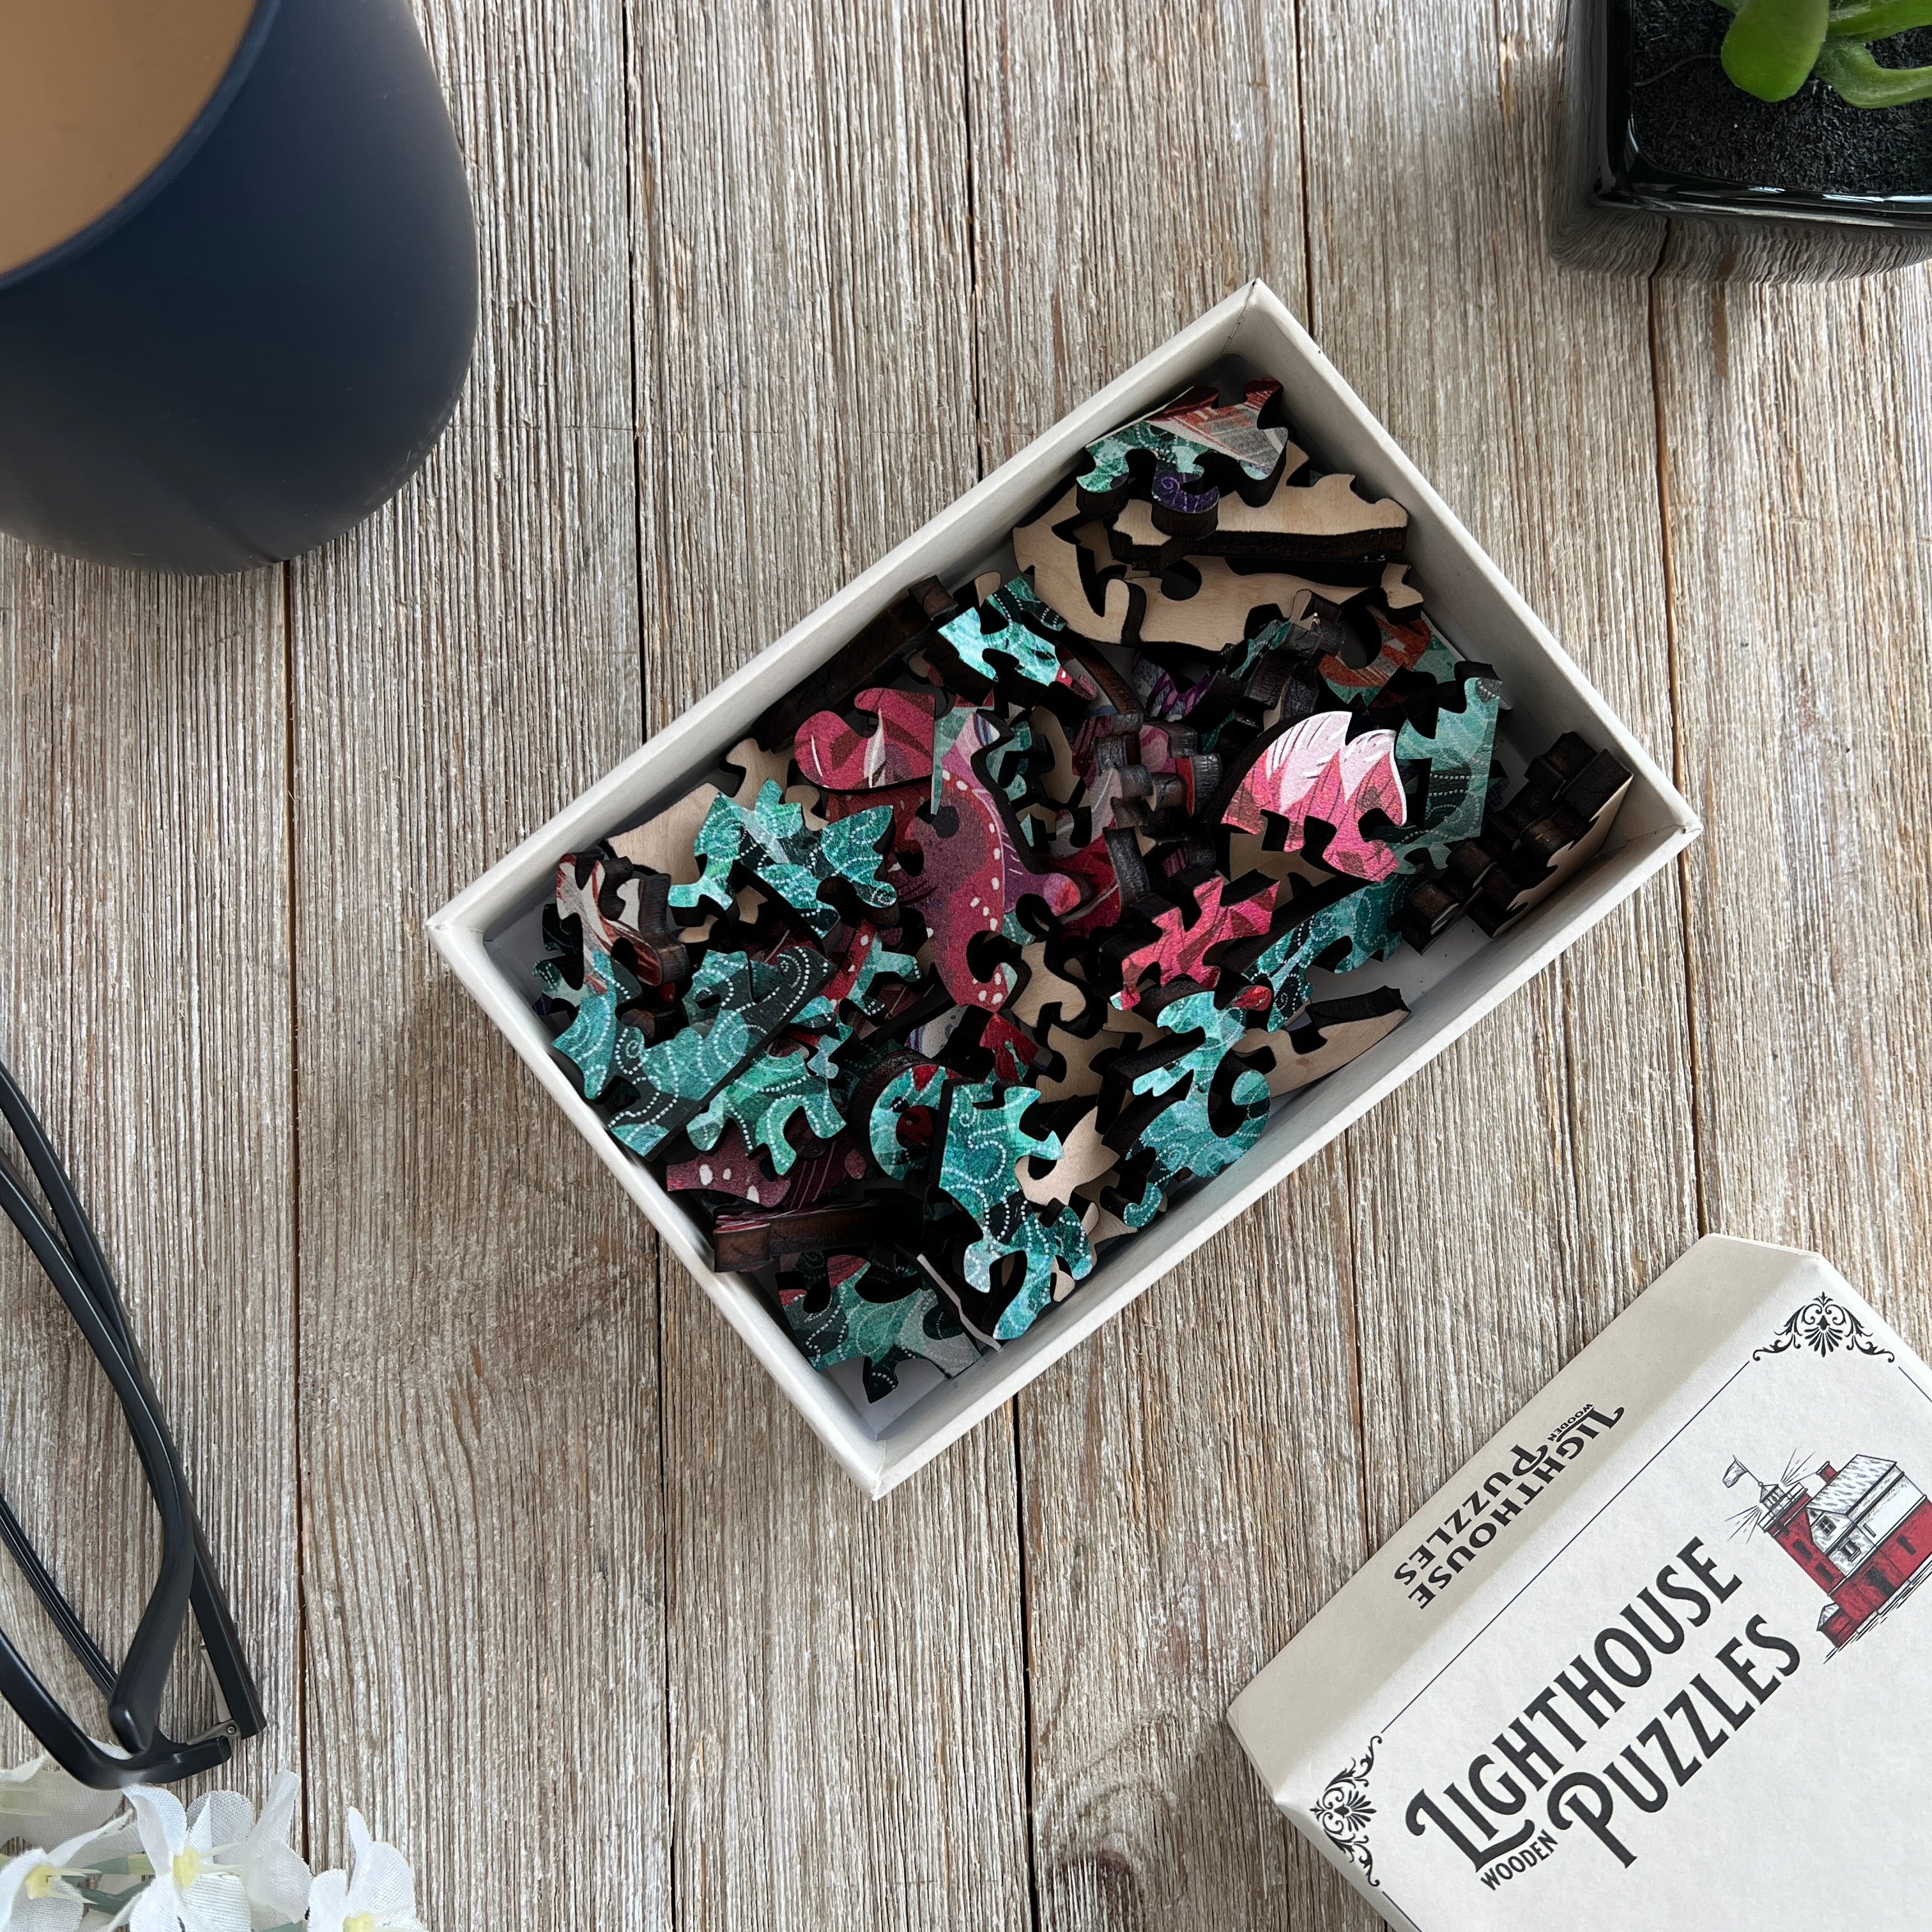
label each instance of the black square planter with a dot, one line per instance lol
(1805, 188)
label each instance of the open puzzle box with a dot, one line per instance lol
(951, 972)
(1652, 1660)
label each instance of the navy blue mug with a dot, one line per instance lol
(257, 344)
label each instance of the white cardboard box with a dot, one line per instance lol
(1652, 1660)
(487, 932)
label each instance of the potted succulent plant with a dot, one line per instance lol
(1804, 126)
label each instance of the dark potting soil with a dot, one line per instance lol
(1687, 115)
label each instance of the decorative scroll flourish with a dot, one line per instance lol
(1343, 1810)
(1824, 1327)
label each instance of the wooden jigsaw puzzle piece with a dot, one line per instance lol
(975, 868)
(732, 1167)
(1204, 601)
(1084, 1159)
(1459, 754)
(738, 1004)
(792, 862)
(897, 751)
(983, 1137)
(1299, 527)
(872, 1310)
(1177, 443)
(1314, 769)
(1344, 927)
(1555, 848)
(1204, 1106)
(1071, 573)
(1330, 1034)
(1180, 951)
(740, 1243)
(890, 636)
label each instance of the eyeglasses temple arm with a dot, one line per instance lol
(93, 1659)
(212, 1613)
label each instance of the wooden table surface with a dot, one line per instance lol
(537, 1567)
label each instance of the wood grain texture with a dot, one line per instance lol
(482, 1541)
(1798, 483)
(540, 1570)
(1192, 1474)
(1516, 1194)
(847, 1740)
(144, 883)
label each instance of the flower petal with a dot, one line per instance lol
(218, 1820)
(382, 1883)
(39, 1801)
(154, 1910)
(328, 1902)
(163, 1825)
(215, 1903)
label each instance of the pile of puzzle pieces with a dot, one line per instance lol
(1002, 933)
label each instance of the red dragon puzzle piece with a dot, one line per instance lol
(977, 868)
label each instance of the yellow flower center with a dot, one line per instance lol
(41, 1880)
(186, 1868)
(363, 1921)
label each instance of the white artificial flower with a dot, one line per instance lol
(274, 1877)
(40, 1803)
(190, 1892)
(36, 1889)
(379, 1897)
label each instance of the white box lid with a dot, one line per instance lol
(1747, 1761)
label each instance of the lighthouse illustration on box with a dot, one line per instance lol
(1862, 1534)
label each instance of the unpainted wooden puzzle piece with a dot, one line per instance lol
(1315, 770)
(1299, 527)
(1220, 605)
(1330, 1034)
(1063, 552)
(1084, 1158)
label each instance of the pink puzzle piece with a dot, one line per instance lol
(1317, 771)
(1180, 951)
(831, 754)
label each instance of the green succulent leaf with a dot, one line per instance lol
(1862, 83)
(1772, 45)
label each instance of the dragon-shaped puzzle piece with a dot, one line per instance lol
(1314, 769)
(983, 1137)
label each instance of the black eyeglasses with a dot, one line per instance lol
(71, 1258)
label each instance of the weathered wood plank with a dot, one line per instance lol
(847, 1732)
(1192, 1475)
(1525, 1186)
(1798, 482)
(479, 1360)
(144, 883)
